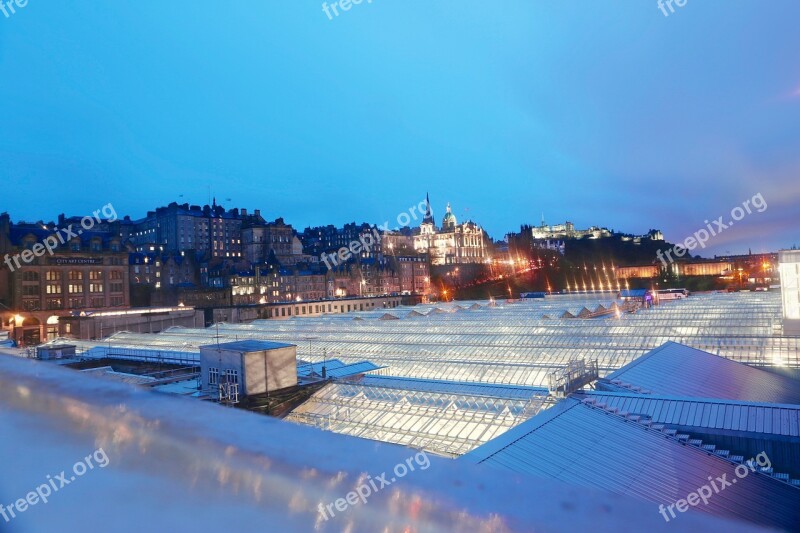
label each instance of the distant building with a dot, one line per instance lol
(553, 245)
(210, 230)
(414, 275)
(789, 266)
(704, 268)
(398, 242)
(263, 241)
(264, 284)
(98, 325)
(283, 311)
(567, 231)
(89, 272)
(329, 239)
(453, 243)
(679, 268)
(163, 270)
(633, 272)
(761, 269)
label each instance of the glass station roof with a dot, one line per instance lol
(509, 343)
(439, 361)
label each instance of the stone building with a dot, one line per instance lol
(88, 272)
(453, 243)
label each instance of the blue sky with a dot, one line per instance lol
(604, 113)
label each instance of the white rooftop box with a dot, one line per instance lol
(245, 366)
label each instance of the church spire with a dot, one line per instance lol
(428, 219)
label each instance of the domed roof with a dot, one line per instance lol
(449, 220)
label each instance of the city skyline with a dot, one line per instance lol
(707, 251)
(498, 123)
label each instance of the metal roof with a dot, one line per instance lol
(724, 415)
(746, 428)
(594, 447)
(334, 368)
(250, 345)
(678, 370)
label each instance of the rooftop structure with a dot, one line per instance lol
(789, 265)
(247, 367)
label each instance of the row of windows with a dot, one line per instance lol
(320, 308)
(73, 303)
(229, 376)
(75, 245)
(72, 275)
(72, 288)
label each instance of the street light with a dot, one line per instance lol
(18, 320)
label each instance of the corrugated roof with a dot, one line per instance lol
(334, 368)
(729, 415)
(589, 446)
(744, 428)
(353, 369)
(305, 368)
(677, 370)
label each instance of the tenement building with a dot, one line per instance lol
(210, 230)
(272, 241)
(87, 272)
(330, 239)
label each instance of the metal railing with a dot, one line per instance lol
(576, 374)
